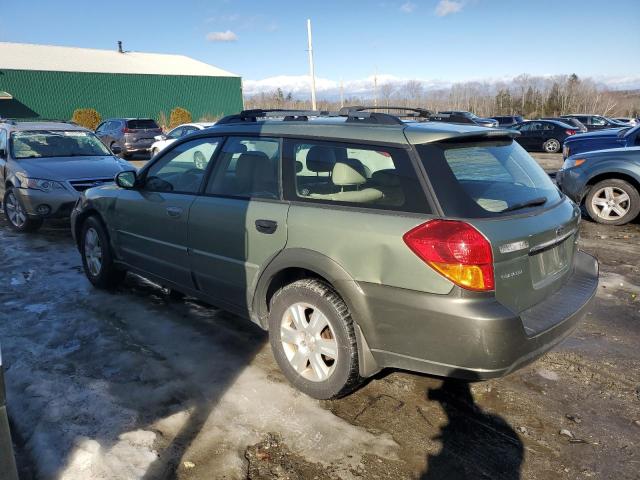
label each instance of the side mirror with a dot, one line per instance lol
(116, 150)
(126, 179)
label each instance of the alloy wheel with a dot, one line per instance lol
(93, 251)
(552, 146)
(611, 203)
(14, 211)
(309, 342)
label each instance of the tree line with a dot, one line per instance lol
(527, 95)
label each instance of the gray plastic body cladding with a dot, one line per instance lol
(471, 337)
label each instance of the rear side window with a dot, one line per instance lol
(140, 124)
(486, 179)
(352, 174)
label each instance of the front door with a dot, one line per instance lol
(152, 220)
(240, 222)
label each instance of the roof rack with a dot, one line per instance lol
(354, 114)
(15, 121)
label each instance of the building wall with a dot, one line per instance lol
(56, 95)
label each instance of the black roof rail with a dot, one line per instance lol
(15, 121)
(353, 114)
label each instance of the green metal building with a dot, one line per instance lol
(44, 81)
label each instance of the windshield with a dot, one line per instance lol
(56, 143)
(486, 178)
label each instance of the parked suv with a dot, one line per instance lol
(359, 242)
(596, 122)
(45, 165)
(606, 182)
(132, 135)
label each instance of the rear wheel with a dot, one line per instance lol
(613, 202)
(313, 339)
(16, 214)
(551, 146)
(97, 258)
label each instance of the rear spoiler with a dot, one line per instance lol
(418, 135)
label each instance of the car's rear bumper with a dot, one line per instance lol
(471, 336)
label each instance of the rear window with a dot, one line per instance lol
(486, 179)
(140, 124)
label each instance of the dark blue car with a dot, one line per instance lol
(607, 182)
(600, 140)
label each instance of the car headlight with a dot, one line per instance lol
(41, 184)
(573, 162)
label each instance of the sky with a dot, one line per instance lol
(436, 41)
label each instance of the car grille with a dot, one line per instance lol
(84, 184)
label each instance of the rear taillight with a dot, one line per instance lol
(127, 130)
(456, 250)
(570, 132)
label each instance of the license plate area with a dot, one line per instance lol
(549, 264)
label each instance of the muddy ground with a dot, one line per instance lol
(137, 385)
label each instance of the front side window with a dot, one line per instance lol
(181, 169)
(598, 121)
(56, 143)
(351, 174)
(486, 178)
(248, 168)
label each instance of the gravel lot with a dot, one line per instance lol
(136, 385)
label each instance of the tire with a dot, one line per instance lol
(306, 303)
(199, 160)
(103, 273)
(15, 214)
(552, 145)
(612, 202)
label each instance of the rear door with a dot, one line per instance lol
(489, 184)
(152, 220)
(240, 222)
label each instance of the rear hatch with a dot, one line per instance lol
(499, 189)
(142, 130)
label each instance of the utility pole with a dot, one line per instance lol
(311, 69)
(375, 88)
(341, 93)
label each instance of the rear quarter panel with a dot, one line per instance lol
(366, 243)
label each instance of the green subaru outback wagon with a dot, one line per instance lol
(358, 239)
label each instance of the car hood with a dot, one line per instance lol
(69, 168)
(607, 133)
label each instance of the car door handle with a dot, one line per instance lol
(266, 226)
(174, 212)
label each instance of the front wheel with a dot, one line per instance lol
(313, 340)
(551, 146)
(613, 202)
(97, 259)
(16, 214)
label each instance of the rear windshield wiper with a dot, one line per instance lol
(529, 203)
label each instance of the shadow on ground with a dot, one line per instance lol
(474, 443)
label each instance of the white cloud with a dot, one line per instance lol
(227, 36)
(446, 7)
(408, 7)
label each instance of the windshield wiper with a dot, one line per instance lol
(529, 203)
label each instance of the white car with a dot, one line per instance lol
(163, 141)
